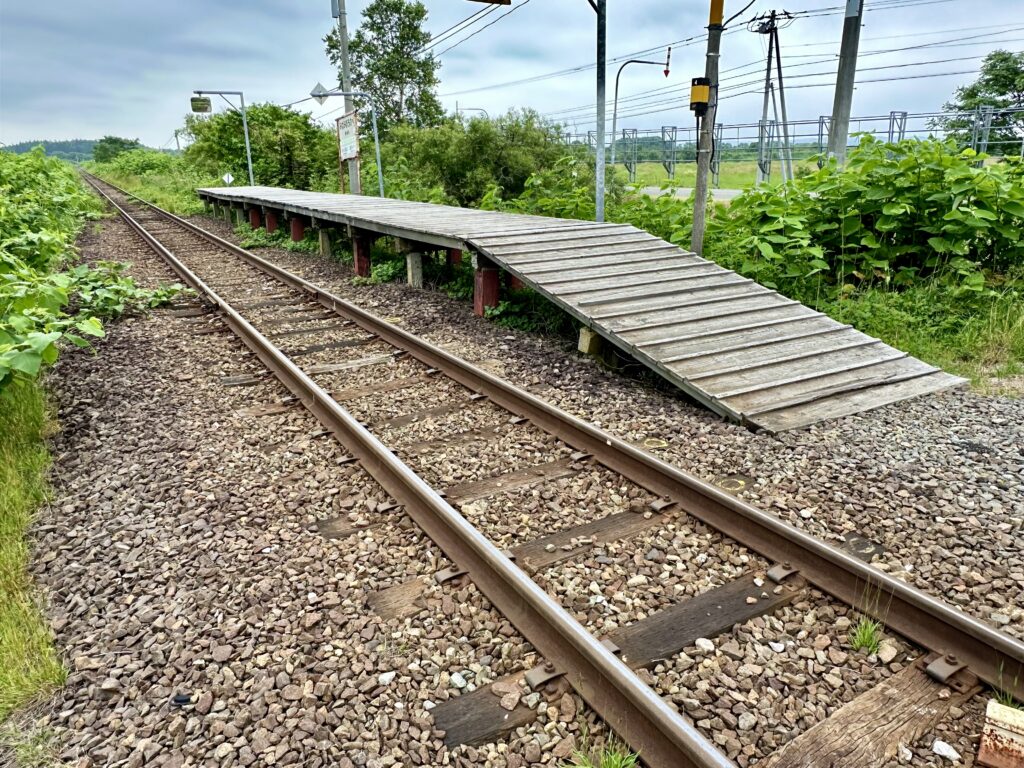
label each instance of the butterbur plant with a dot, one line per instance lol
(42, 207)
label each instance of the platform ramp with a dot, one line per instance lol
(741, 349)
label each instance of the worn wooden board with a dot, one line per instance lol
(868, 731)
(398, 601)
(663, 634)
(509, 481)
(705, 329)
(478, 717)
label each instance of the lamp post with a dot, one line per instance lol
(615, 107)
(459, 109)
(320, 94)
(245, 124)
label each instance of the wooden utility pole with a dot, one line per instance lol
(705, 142)
(338, 7)
(839, 127)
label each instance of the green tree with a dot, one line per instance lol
(1000, 85)
(288, 148)
(109, 147)
(387, 63)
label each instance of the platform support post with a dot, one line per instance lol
(240, 217)
(324, 241)
(514, 283)
(486, 286)
(255, 218)
(298, 228)
(590, 341)
(453, 257)
(271, 222)
(361, 244)
(414, 269)
(228, 212)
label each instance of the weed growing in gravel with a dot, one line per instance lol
(260, 238)
(612, 754)
(866, 635)
(1002, 694)
(29, 665)
(31, 747)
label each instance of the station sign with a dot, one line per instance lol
(348, 135)
(201, 104)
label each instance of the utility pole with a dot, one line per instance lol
(338, 9)
(839, 127)
(600, 8)
(177, 141)
(787, 153)
(705, 142)
(762, 174)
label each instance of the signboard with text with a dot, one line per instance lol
(201, 104)
(348, 135)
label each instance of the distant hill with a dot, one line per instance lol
(75, 150)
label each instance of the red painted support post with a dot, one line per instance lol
(271, 222)
(454, 257)
(485, 289)
(254, 218)
(514, 283)
(298, 225)
(361, 253)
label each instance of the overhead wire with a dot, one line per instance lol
(485, 26)
(462, 26)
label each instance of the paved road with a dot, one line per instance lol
(684, 192)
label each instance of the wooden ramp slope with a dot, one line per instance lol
(739, 348)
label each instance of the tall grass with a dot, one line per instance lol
(29, 665)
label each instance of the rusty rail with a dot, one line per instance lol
(664, 737)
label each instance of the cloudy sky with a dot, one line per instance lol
(85, 68)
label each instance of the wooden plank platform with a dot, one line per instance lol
(739, 348)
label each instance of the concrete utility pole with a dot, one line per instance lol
(600, 8)
(763, 174)
(839, 127)
(705, 141)
(338, 9)
(787, 152)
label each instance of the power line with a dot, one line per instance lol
(456, 28)
(485, 26)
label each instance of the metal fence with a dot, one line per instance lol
(994, 131)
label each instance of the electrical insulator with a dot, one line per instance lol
(700, 95)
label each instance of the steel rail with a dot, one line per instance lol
(661, 735)
(994, 656)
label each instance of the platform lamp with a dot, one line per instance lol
(200, 103)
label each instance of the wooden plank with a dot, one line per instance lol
(790, 395)
(729, 303)
(477, 717)
(543, 237)
(572, 542)
(362, 362)
(667, 288)
(1002, 737)
(266, 409)
(587, 260)
(773, 355)
(748, 340)
(314, 329)
(607, 242)
(342, 527)
(637, 310)
(298, 316)
(510, 481)
(808, 369)
(868, 731)
(663, 634)
(411, 418)
(343, 344)
(537, 231)
(570, 288)
(708, 328)
(393, 385)
(399, 601)
(863, 399)
(245, 379)
(552, 279)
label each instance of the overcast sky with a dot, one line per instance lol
(85, 68)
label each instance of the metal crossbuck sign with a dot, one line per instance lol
(348, 135)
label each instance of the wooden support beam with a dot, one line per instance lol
(255, 218)
(414, 269)
(486, 290)
(324, 241)
(868, 731)
(272, 221)
(298, 228)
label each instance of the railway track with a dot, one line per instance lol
(399, 406)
